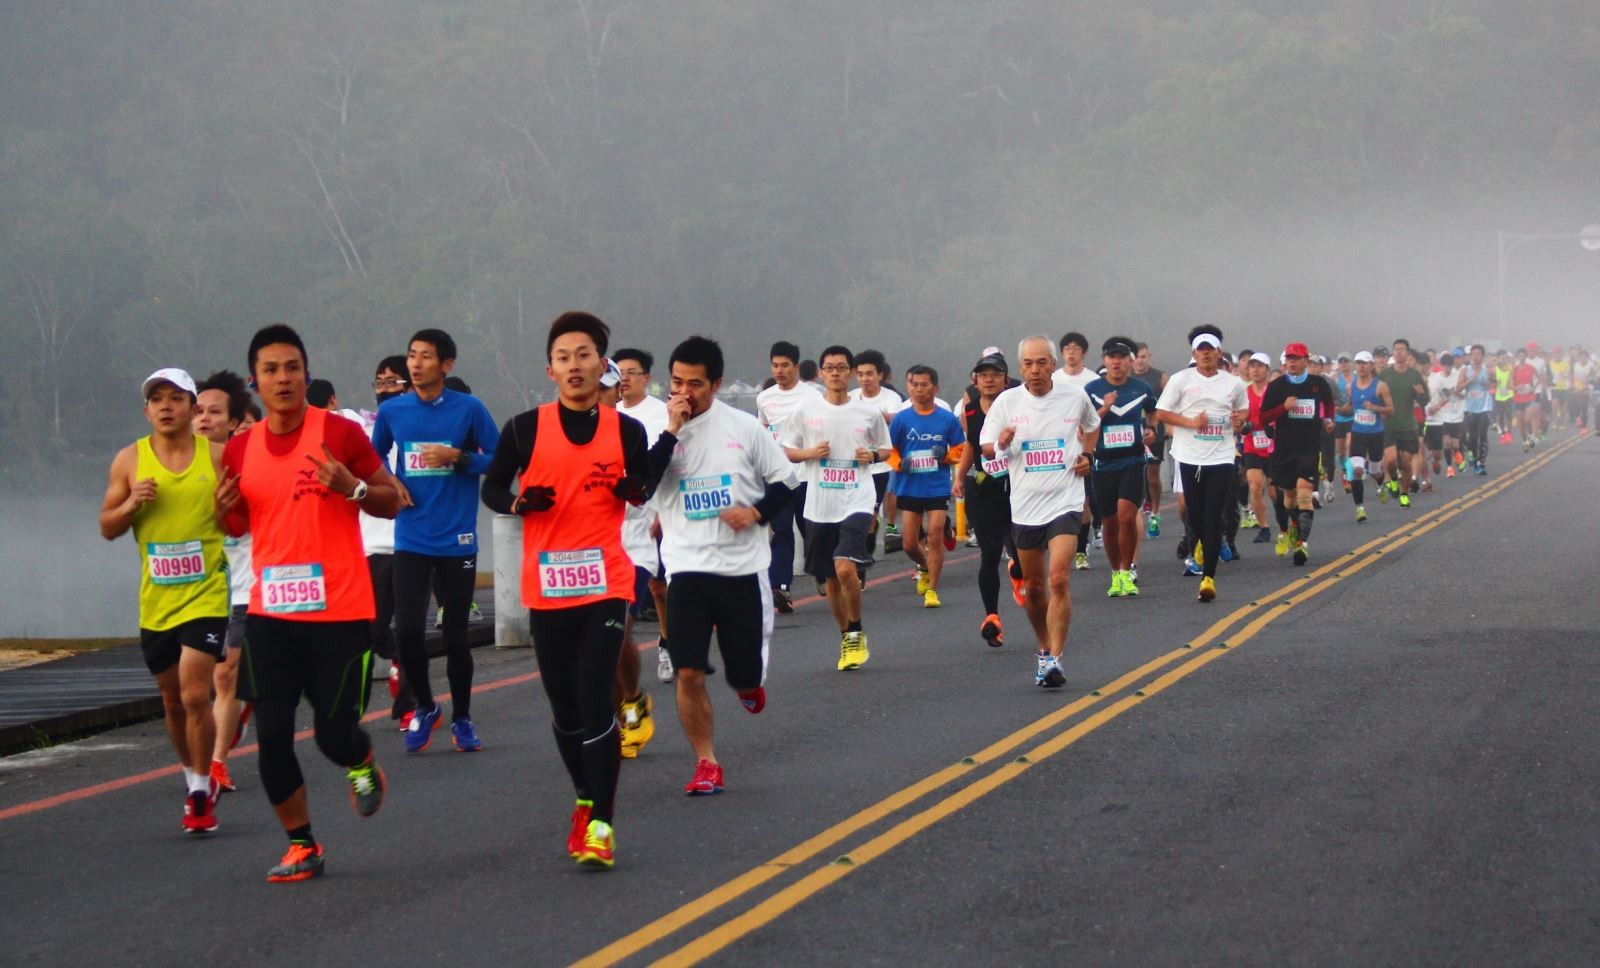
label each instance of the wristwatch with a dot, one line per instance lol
(359, 494)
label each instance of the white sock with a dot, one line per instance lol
(198, 782)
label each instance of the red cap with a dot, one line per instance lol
(1532, 346)
(1296, 349)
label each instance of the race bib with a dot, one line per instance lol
(838, 474)
(1215, 429)
(996, 466)
(1303, 409)
(1476, 394)
(1044, 455)
(1260, 441)
(572, 574)
(293, 588)
(1121, 435)
(706, 497)
(176, 563)
(776, 429)
(920, 462)
(416, 467)
(1366, 418)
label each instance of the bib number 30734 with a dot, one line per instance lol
(572, 574)
(286, 589)
(838, 473)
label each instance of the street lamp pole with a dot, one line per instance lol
(1588, 237)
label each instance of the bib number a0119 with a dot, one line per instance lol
(176, 563)
(286, 589)
(706, 497)
(839, 474)
(1119, 435)
(572, 574)
(1044, 455)
(417, 467)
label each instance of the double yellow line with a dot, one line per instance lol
(1195, 652)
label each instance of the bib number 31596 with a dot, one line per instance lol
(572, 574)
(293, 588)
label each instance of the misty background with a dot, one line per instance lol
(922, 176)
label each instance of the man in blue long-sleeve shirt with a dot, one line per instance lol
(444, 441)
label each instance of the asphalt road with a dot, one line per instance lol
(1382, 758)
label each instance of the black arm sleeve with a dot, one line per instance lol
(661, 457)
(775, 499)
(499, 490)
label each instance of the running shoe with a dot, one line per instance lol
(1208, 590)
(891, 529)
(243, 727)
(581, 815)
(1053, 678)
(930, 599)
(598, 846)
(367, 786)
(1183, 547)
(1018, 588)
(781, 601)
(464, 736)
(1098, 541)
(1130, 584)
(474, 613)
(1249, 521)
(1199, 553)
(852, 651)
(1080, 561)
(301, 862)
(1361, 513)
(1330, 493)
(1264, 536)
(922, 581)
(405, 719)
(637, 725)
(1227, 551)
(1152, 528)
(707, 780)
(1481, 470)
(1301, 552)
(972, 538)
(949, 535)
(1405, 500)
(1133, 575)
(1426, 486)
(1116, 590)
(663, 662)
(438, 618)
(1281, 548)
(200, 810)
(992, 632)
(1191, 568)
(420, 732)
(753, 700)
(1041, 665)
(220, 776)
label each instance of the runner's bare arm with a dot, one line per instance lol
(124, 495)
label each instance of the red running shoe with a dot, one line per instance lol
(580, 827)
(707, 780)
(754, 700)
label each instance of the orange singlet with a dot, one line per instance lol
(572, 554)
(306, 540)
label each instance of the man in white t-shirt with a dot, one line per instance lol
(836, 439)
(1043, 429)
(1205, 406)
(1447, 414)
(726, 478)
(774, 406)
(872, 373)
(639, 541)
(1074, 372)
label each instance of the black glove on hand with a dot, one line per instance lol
(629, 488)
(535, 498)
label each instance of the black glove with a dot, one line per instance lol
(630, 488)
(535, 498)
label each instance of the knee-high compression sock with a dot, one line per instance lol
(1305, 525)
(570, 746)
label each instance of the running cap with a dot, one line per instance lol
(1118, 346)
(1532, 345)
(171, 374)
(1343, 355)
(612, 376)
(1363, 357)
(1323, 360)
(1261, 358)
(1380, 351)
(1206, 339)
(990, 351)
(993, 360)
(1296, 349)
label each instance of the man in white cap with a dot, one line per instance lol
(161, 487)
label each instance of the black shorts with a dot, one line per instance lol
(1031, 537)
(1455, 429)
(1404, 441)
(850, 538)
(1286, 468)
(235, 636)
(922, 505)
(1112, 487)
(989, 505)
(880, 487)
(1433, 436)
(1341, 429)
(739, 607)
(1369, 447)
(1158, 450)
(329, 662)
(162, 649)
(1255, 462)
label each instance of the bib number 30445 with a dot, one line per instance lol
(572, 574)
(293, 588)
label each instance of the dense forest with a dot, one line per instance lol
(924, 175)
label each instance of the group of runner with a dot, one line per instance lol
(277, 543)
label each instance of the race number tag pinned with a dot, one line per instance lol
(706, 497)
(838, 473)
(286, 589)
(1119, 435)
(572, 574)
(1044, 455)
(417, 467)
(176, 563)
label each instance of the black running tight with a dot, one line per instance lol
(989, 513)
(341, 740)
(577, 649)
(415, 578)
(1207, 489)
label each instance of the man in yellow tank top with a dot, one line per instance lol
(163, 487)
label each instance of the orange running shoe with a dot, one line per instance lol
(302, 862)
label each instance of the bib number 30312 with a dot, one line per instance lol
(286, 589)
(572, 574)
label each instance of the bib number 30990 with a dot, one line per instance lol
(176, 563)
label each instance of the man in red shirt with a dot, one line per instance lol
(295, 481)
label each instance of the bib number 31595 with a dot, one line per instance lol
(572, 574)
(293, 588)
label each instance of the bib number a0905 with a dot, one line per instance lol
(706, 497)
(286, 589)
(1044, 455)
(572, 574)
(176, 563)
